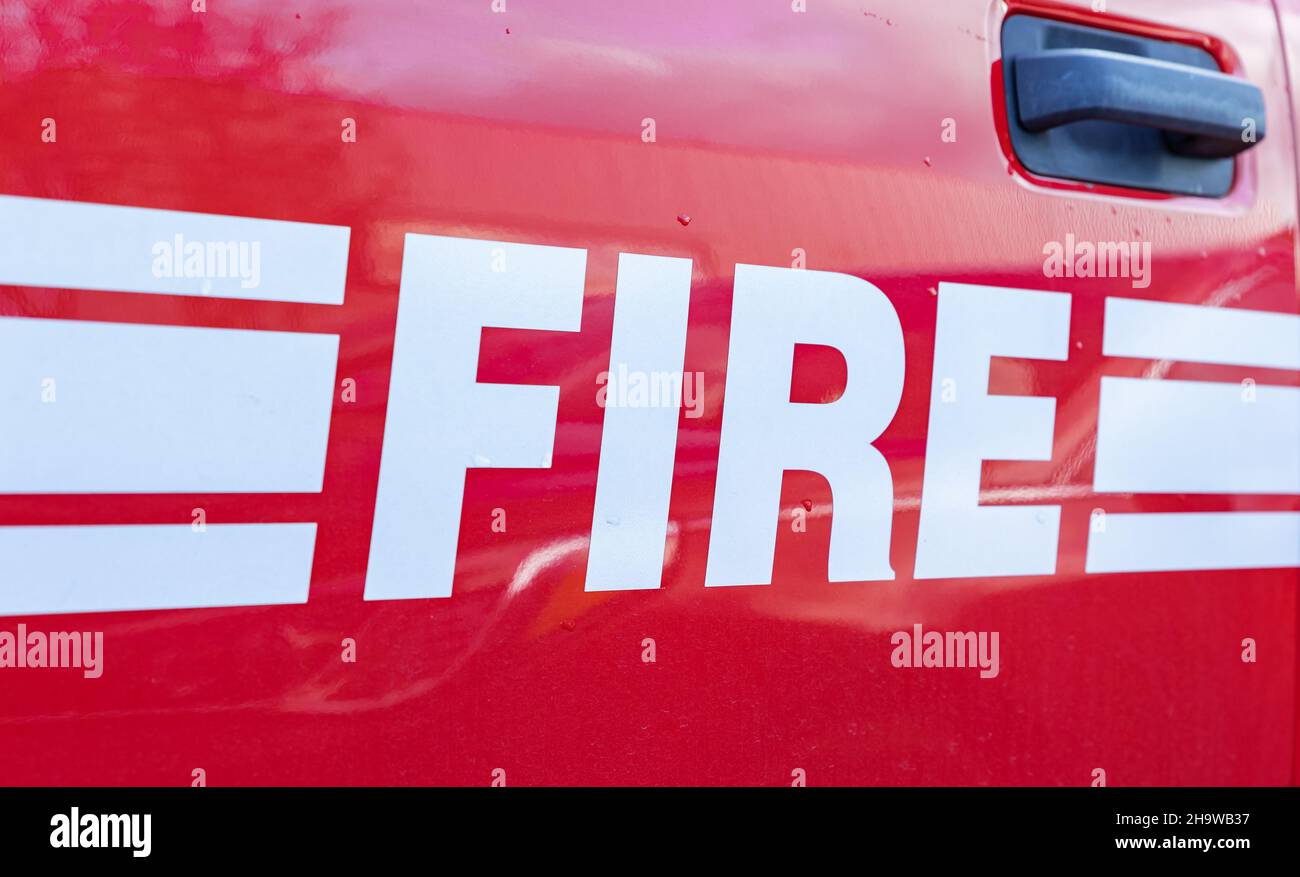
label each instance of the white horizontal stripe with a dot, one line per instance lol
(1197, 333)
(153, 566)
(1194, 540)
(79, 245)
(1160, 436)
(118, 408)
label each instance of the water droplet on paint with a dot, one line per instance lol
(568, 624)
(927, 161)
(683, 219)
(807, 505)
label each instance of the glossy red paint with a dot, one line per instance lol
(775, 130)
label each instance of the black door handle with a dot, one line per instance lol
(1203, 113)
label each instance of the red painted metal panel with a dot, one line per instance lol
(775, 130)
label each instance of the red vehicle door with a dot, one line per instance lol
(336, 524)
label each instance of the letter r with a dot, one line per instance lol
(764, 433)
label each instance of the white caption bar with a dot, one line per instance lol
(79, 245)
(1196, 333)
(147, 566)
(1194, 540)
(120, 408)
(1162, 436)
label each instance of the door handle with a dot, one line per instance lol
(1203, 114)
